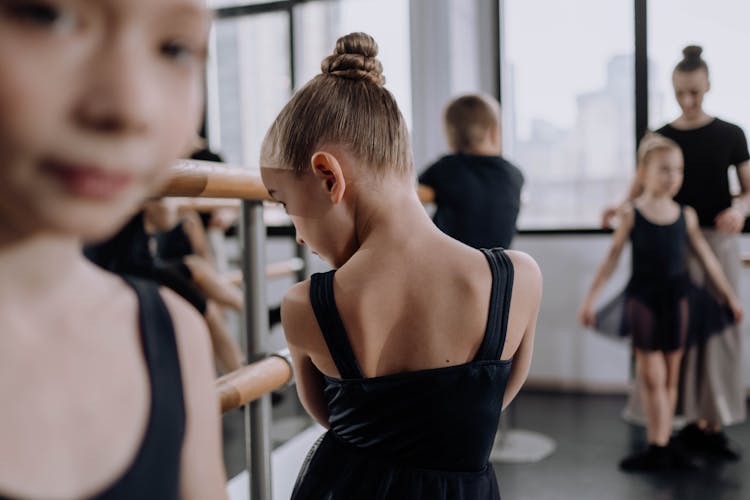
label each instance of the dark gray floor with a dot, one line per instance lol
(591, 439)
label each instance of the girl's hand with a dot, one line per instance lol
(730, 220)
(587, 316)
(608, 214)
(737, 311)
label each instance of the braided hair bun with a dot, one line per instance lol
(354, 59)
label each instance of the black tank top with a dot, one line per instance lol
(659, 250)
(442, 418)
(154, 472)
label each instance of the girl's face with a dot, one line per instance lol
(663, 172)
(326, 228)
(98, 97)
(689, 90)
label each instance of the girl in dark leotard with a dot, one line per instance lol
(409, 350)
(712, 393)
(107, 384)
(657, 312)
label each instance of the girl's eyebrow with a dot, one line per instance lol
(188, 11)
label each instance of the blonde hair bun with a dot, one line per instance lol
(354, 59)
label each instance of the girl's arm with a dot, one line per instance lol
(713, 268)
(193, 227)
(636, 188)
(298, 320)
(732, 219)
(586, 313)
(527, 292)
(201, 470)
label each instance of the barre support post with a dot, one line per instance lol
(258, 412)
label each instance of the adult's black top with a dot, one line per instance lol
(477, 197)
(709, 151)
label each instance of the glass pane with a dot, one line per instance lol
(722, 30)
(252, 80)
(319, 24)
(568, 106)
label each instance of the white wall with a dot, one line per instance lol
(566, 356)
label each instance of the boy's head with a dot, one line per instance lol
(98, 98)
(472, 124)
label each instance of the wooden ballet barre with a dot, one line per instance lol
(273, 271)
(426, 194)
(250, 382)
(207, 205)
(284, 268)
(746, 260)
(213, 180)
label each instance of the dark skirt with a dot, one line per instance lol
(334, 470)
(665, 315)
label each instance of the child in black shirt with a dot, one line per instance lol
(477, 191)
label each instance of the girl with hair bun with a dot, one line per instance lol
(410, 347)
(712, 387)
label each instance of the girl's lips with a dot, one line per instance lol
(89, 181)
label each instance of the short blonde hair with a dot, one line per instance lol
(651, 143)
(467, 120)
(345, 105)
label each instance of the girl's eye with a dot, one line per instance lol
(40, 14)
(181, 52)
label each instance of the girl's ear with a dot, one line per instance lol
(327, 169)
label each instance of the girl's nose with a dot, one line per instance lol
(118, 98)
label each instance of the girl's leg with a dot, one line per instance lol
(208, 280)
(673, 361)
(652, 368)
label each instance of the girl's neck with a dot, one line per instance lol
(656, 203)
(656, 198)
(36, 266)
(393, 213)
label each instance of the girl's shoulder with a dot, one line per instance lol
(691, 216)
(625, 214)
(297, 314)
(527, 282)
(524, 265)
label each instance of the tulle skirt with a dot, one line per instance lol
(663, 315)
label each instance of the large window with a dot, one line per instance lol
(252, 82)
(251, 75)
(568, 106)
(319, 24)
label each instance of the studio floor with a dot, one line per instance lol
(590, 440)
